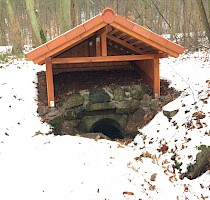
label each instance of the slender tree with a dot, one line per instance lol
(87, 9)
(33, 18)
(73, 13)
(65, 17)
(172, 20)
(14, 26)
(3, 38)
(204, 18)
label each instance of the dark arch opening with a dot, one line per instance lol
(108, 127)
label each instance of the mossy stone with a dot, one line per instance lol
(119, 94)
(98, 95)
(100, 106)
(73, 101)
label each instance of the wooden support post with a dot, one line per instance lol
(103, 44)
(49, 80)
(156, 78)
(98, 47)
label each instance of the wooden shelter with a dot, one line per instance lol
(107, 41)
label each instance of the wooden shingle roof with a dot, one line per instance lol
(121, 33)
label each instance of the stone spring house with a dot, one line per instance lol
(107, 41)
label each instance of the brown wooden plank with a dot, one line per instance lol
(103, 44)
(49, 80)
(123, 43)
(139, 36)
(113, 32)
(156, 81)
(88, 25)
(135, 42)
(56, 42)
(124, 22)
(106, 58)
(121, 35)
(73, 69)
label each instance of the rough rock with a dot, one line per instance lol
(74, 113)
(119, 94)
(68, 128)
(98, 95)
(73, 101)
(136, 92)
(53, 112)
(42, 110)
(170, 114)
(128, 106)
(100, 106)
(202, 163)
(136, 120)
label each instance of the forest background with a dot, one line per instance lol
(33, 22)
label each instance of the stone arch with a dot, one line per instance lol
(109, 127)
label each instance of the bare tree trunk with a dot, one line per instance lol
(73, 13)
(65, 17)
(3, 38)
(172, 20)
(87, 9)
(14, 29)
(33, 22)
(79, 12)
(204, 18)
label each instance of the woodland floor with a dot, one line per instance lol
(67, 83)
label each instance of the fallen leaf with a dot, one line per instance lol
(97, 138)
(128, 193)
(163, 149)
(186, 188)
(152, 187)
(172, 178)
(120, 146)
(153, 177)
(204, 197)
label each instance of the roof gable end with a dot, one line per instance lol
(85, 30)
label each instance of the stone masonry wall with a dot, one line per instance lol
(130, 106)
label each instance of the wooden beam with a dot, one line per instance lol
(123, 43)
(106, 58)
(49, 80)
(103, 44)
(156, 81)
(82, 69)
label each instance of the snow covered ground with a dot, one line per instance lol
(47, 167)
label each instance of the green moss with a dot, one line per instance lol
(43, 36)
(4, 58)
(148, 90)
(56, 123)
(177, 164)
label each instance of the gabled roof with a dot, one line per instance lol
(120, 31)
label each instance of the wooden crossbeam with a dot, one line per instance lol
(125, 44)
(106, 58)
